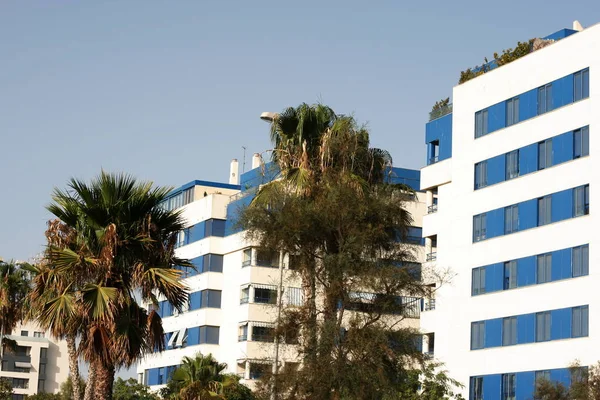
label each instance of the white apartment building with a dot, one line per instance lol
(39, 365)
(234, 293)
(510, 165)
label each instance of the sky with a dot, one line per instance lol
(170, 91)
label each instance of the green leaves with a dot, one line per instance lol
(99, 300)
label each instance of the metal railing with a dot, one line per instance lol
(431, 256)
(243, 338)
(429, 305)
(432, 209)
(440, 112)
(432, 160)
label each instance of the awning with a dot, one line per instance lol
(181, 337)
(20, 364)
(172, 339)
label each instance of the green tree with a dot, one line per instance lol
(66, 389)
(45, 396)
(130, 389)
(117, 244)
(6, 390)
(585, 385)
(14, 287)
(336, 213)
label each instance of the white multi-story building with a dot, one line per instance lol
(511, 165)
(38, 364)
(234, 292)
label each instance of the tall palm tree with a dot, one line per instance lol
(14, 286)
(114, 242)
(200, 377)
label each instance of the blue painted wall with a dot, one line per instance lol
(409, 177)
(563, 33)
(562, 205)
(440, 129)
(493, 333)
(526, 328)
(496, 169)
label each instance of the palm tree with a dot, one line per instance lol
(112, 242)
(14, 286)
(200, 378)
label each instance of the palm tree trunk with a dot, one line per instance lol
(91, 383)
(309, 288)
(105, 376)
(73, 366)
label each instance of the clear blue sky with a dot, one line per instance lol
(171, 90)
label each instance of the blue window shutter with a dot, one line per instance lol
(526, 328)
(525, 385)
(525, 271)
(493, 333)
(528, 105)
(193, 336)
(496, 117)
(216, 263)
(495, 223)
(494, 275)
(218, 228)
(561, 264)
(562, 148)
(528, 159)
(562, 205)
(492, 387)
(195, 301)
(562, 91)
(561, 375)
(197, 232)
(496, 169)
(560, 324)
(153, 376)
(527, 214)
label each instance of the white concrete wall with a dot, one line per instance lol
(458, 202)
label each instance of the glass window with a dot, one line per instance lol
(544, 210)
(580, 321)
(512, 111)
(581, 201)
(209, 335)
(541, 376)
(211, 298)
(38, 334)
(479, 227)
(509, 331)
(511, 219)
(247, 257)
(263, 333)
(581, 142)
(265, 295)
(510, 275)
(542, 326)
(545, 154)
(245, 295)
(544, 268)
(267, 258)
(508, 387)
(24, 333)
(581, 85)
(545, 98)
(481, 123)
(243, 333)
(512, 165)
(477, 335)
(581, 261)
(477, 388)
(43, 352)
(478, 281)
(480, 174)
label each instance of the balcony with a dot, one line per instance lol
(432, 160)
(431, 256)
(440, 112)
(429, 305)
(432, 209)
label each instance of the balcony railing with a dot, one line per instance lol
(429, 305)
(243, 338)
(432, 209)
(431, 256)
(432, 160)
(244, 300)
(428, 355)
(440, 112)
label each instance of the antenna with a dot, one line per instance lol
(244, 160)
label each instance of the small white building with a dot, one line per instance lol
(511, 167)
(40, 364)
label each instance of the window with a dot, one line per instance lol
(580, 321)
(581, 142)
(38, 334)
(544, 210)
(161, 376)
(581, 85)
(265, 295)
(4, 365)
(477, 335)
(479, 227)
(512, 165)
(24, 333)
(509, 331)
(42, 369)
(478, 281)
(245, 295)
(188, 196)
(41, 386)
(542, 326)
(243, 333)
(545, 154)
(43, 353)
(247, 257)
(510, 275)
(477, 388)
(508, 387)
(209, 335)
(293, 261)
(581, 261)
(480, 174)
(258, 370)
(434, 152)
(267, 258)
(19, 383)
(511, 219)
(211, 298)
(581, 201)
(545, 99)
(481, 123)
(263, 333)
(544, 268)
(512, 111)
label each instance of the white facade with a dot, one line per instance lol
(40, 364)
(248, 287)
(453, 224)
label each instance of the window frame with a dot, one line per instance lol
(546, 318)
(479, 234)
(583, 78)
(476, 388)
(582, 328)
(580, 258)
(481, 123)
(511, 219)
(509, 393)
(545, 147)
(512, 165)
(481, 174)
(510, 275)
(509, 331)
(544, 99)
(544, 210)
(477, 335)
(581, 142)
(478, 275)
(512, 111)
(581, 201)
(546, 266)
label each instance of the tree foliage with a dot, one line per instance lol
(585, 385)
(336, 212)
(14, 287)
(130, 389)
(6, 389)
(66, 389)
